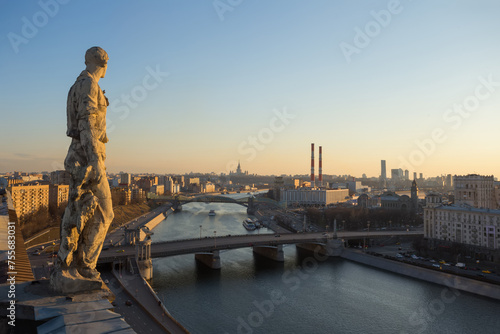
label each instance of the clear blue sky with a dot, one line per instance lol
(367, 80)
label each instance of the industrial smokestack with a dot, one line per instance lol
(320, 168)
(312, 165)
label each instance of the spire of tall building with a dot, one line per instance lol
(238, 170)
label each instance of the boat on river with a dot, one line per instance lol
(249, 224)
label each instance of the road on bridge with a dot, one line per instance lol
(207, 244)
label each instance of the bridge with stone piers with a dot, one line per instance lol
(248, 202)
(207, 249)
(181, 199)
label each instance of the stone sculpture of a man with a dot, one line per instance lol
(89, 212)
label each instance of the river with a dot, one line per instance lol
(303, 294)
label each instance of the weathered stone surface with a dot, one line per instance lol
(69, 281)
(96, 318)
(89, 212)
(37, 301)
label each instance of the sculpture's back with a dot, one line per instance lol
(89, 212)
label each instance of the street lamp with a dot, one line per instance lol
(215, 239)
(200, 231)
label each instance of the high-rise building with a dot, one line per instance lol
(28, 199)
(475, 190)
(58, 195)
(448, 183)
(383, 172)
(136, 193)
(407, 174)
(414, 175)
(125, 179)
(397, 174)
(59, 177)
(238, 169)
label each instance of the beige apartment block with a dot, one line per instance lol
(28, 199)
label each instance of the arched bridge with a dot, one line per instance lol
(244, 201)
(216, 199)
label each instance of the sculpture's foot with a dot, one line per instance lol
(89, 273)
(70, 281)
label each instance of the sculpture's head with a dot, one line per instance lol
(96, 59)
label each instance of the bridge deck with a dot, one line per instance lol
(178, 247)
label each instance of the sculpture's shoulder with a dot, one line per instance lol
(82, 101)
(85, 84)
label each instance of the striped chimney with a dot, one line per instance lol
(312, 165)
(320, 168)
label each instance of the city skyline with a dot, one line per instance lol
(201, 87)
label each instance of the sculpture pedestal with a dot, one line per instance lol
(39, 310)
(36, 303)
(70, 281)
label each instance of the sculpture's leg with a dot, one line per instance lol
(74, 162)
(69, 241)
(94, 233)
(65, 278)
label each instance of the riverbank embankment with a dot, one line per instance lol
(158, 218)
(142, 293)
(452, 281)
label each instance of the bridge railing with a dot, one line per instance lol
(359, 234)
(209, 237)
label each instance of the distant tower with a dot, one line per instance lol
(312, 165)
(414, 196)
(383, 173)
(238, 169)
(320, 168)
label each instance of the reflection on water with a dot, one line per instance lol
(302, 295)
(186, 224)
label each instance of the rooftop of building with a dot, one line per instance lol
(474, 176)
(468, 208)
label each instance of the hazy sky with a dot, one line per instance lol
(199, 85)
